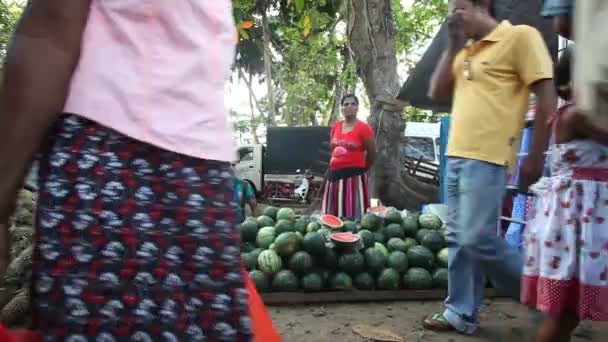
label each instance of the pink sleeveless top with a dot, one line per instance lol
(155, 70)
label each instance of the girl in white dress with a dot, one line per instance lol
(566, 241)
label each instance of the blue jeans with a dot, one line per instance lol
(475, 195)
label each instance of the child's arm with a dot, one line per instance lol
(581, 127)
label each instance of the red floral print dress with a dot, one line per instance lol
(566, 241)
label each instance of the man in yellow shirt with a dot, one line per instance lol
(490, 68)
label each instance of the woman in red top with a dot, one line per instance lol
(353, 151)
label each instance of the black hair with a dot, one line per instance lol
(490, 3)
(563, 73)
(349, 96)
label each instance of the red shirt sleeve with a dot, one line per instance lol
(366, 131)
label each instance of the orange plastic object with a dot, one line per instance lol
(262, 326)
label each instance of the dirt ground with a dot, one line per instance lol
(502, 321)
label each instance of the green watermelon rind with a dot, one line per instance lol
(341, 281)
(417, 278)
(285, 281)
(286, 244)
(260, 280)
(434, 241)
(397, 260)
(301, 262)
(430, 221)
(286, 214)
(371, 222)
(389, 279)
(442, 258)
(265, 237)
(420, 256)
(269, 262)
(312, 282)
(283, 226)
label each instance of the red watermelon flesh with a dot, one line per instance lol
(331, 221)
(345, 237)
(377, 209)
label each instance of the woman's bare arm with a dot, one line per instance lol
(370, 151)
(39, 65)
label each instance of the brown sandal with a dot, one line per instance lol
(436, 322)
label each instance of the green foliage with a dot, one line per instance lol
(416, 25)
(9, 16)
(413, 114)
(310, 56)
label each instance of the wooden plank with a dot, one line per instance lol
(294, 298)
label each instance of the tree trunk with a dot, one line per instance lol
(372, 40)
(272, 114)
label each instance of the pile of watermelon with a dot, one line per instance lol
(286, 253)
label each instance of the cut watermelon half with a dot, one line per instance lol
(331, 221)
(377, 209)
(346, 238)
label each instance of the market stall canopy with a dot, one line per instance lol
(414, 91)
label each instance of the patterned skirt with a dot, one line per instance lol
(134, 243)
(346, 196)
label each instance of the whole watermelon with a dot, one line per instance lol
(264, 221)
(314, 244)
(393, 230)
(250, 260)
(434, 241)
(396, 244)
(381, 248)
(260, 280)
(269, 262)
(341, 281)
(284, 226)
(379, 236)
(430, 221)
(442, 258)
(271, 212)
(265, 237)
(393, 216)
(417, 279)
(301, 262)
(410, 226)
(249, 230)
(397, 260)
(285, 281)
(312, 282)
(389, 279)
(375, 260)
(330, 260)
(410, 242)
(367, 238)
(420, 256)
(421, 234)
(247, 247)
(364, 281)
(440, 278)
(352, 263)
(350, 226)
(371, 222)
(287, 244)
(313, 227)
(286, 214)
(301, 224)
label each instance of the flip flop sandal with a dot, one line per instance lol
(436, 322)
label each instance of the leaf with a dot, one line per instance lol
(306, 26)
(299, 5)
